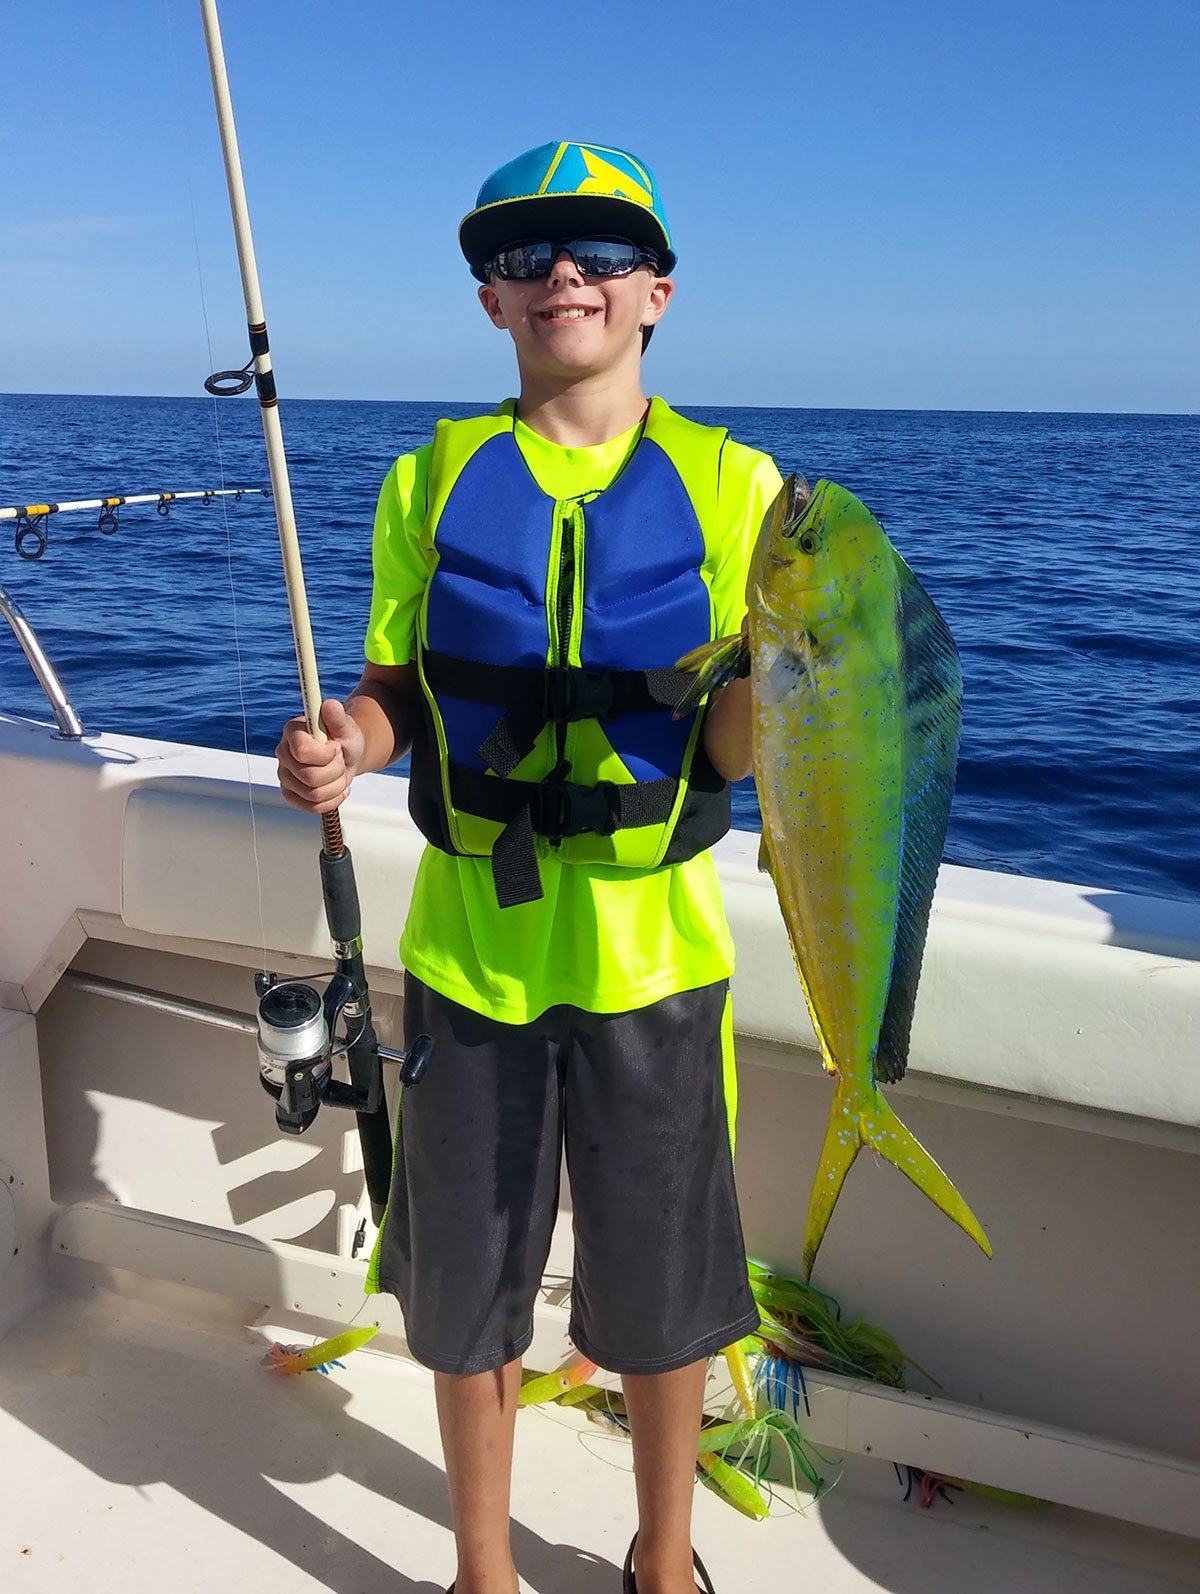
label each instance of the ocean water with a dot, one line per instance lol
(1063, 551)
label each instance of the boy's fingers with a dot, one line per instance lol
(313, 790)
(298, 746)
(334, 717)
(313, 777)
(313, 774)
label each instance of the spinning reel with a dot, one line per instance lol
(297, 1027)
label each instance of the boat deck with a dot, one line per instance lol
(142, 1444)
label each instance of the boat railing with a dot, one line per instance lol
(70, 726)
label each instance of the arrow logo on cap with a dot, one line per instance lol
(605, 178)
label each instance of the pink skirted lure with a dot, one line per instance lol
(288, 1360)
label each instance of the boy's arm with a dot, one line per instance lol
(375, 724)
(750, 482)
(383, 707)
(727, 728)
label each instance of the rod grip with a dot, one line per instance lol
(342, 913)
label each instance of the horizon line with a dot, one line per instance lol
(847, 409)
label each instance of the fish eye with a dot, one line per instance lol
(809, 542)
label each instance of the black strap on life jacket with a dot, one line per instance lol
(559, 695)
(555, 807)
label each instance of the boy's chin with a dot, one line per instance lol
(580, 355)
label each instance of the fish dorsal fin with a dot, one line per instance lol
(932, 711)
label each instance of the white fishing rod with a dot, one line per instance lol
(296, 1024)
(31, 540)
(259, 371)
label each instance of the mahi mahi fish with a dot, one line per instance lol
(857, 700)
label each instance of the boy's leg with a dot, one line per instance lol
(473, 1200)
(476, 1412)
(664, 1413)
(660, 1265)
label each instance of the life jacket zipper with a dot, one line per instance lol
(564, 608)
(564, 604)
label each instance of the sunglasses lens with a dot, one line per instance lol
(604, 257)
(525, 261)
(595, 257)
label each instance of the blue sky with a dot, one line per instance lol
(907, 204)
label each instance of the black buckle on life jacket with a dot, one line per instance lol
(559, 808)
(572, 694)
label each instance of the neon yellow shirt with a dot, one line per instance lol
(602, 937)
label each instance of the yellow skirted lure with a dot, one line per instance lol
(569, 1385)
(732, 1458)
(857, 705)
(290, 1360)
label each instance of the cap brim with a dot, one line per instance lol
(485, 231)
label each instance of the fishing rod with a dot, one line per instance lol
(296, 1023)
(31, 540)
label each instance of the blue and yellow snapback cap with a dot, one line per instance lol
(566, 191)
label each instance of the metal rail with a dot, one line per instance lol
(70, 726)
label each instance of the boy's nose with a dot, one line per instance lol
(564, 269)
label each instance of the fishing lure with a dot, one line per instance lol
(733, 1486)
(290, 1360)
(743, 1379)
(725, 1478)
(937, 1485)
(567, 1385)
(749, 1447)
(732, 1458)
(804, 1325)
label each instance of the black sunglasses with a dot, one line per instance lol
(594, 257)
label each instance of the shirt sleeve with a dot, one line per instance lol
(402, 564)
(750, 482)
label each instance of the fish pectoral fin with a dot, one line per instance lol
(764, 856)
(882, 1130)
(714, 665)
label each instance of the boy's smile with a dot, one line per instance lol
(569, 325)
(567, 312)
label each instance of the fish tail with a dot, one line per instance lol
(843, 1142)
(858, 1120)
(883, 1132)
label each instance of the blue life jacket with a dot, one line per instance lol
(546, 648)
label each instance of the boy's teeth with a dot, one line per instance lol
(566, 315)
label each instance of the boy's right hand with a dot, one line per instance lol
(313, 775)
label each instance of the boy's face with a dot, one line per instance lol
(566, 326)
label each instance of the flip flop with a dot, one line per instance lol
(630, 1584)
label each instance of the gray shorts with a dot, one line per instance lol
(660, 1264)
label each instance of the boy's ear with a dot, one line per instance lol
(490, 301)
(661, 289)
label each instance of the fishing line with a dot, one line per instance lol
(237, 647)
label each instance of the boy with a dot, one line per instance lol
(537, 574)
